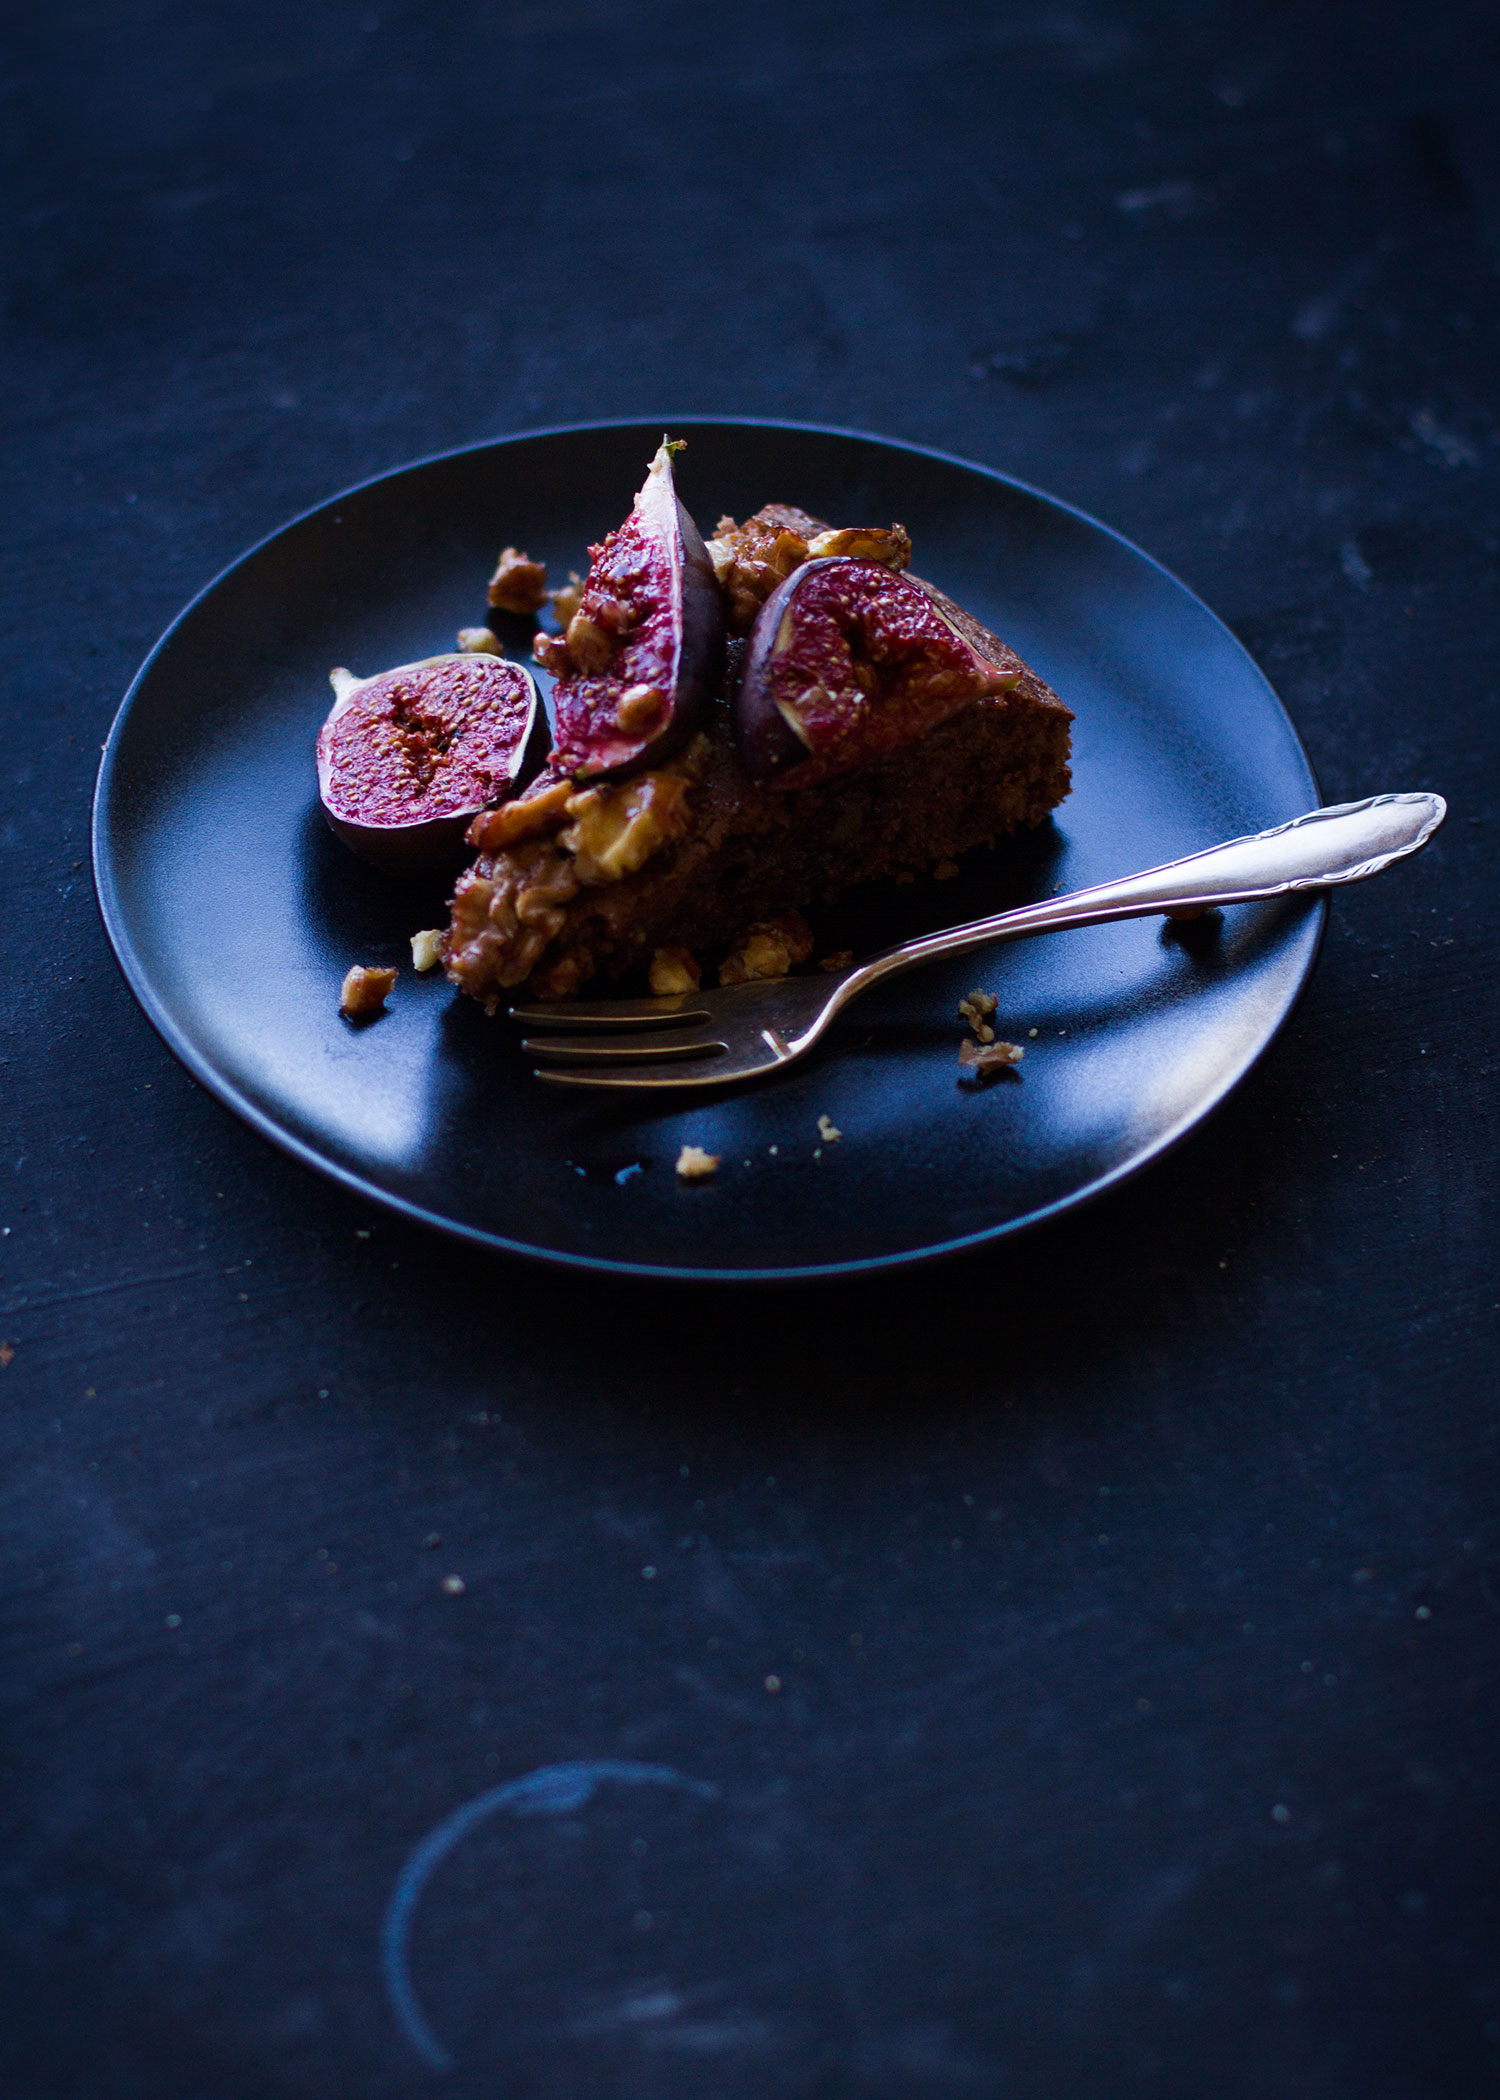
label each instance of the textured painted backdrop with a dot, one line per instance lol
(1132, 1591)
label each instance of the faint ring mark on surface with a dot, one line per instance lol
(551, 1790)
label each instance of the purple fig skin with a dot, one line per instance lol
(849, 660)
(407, 759)
(653, 611)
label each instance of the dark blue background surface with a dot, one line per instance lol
(1176, 1771)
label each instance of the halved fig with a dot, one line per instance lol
(408, 758)
(643, 650)
(849, 660)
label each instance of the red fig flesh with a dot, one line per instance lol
(849, 660)
(408, 758)
(643, 650)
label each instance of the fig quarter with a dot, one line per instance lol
(644, 648)
(849, 660)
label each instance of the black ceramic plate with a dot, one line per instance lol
(235, 913)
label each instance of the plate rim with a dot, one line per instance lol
(202, 1068)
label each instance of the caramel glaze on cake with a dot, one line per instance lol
(575, 884)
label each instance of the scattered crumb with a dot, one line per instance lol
(1031, 1032)
(519, 584)
(983, 1058)
(817, 1151)
(769, 948)
(976, 1010)
(694, 1164)
(454, 1585)
(945, 871)
(839, 960)
(480, 641)
(674, 970)
(432, 1539)
(828, 1130)
(773, 1684)
(364, 992)
(7, 1356)
(424, 948)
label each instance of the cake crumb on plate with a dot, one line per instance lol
(694, 1164)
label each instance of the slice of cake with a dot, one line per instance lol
(865, 726)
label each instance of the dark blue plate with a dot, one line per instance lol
(235, 913)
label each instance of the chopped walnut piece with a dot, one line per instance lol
(543, 809)
(977, 1010)
(639, 706)
(674, 970)
(945, 871)
(694, 1164)
(480, 641)
(720, 552)
(567, 601)
(589, 644)
(839, 960)
(426, 951)
(519, 584)
(983, 1058)
(828, 1130)
(864, 543)
(768, 949)
(551, 652)
(364, 992)
(617, 827)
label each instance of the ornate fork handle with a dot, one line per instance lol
(1346, 842)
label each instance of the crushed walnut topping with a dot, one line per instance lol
(519, 584)
(567, 601)
(426, 948)
(674, 970)
(551, 652)
(769, 948)
(542, 809)
(364, 992)
(983, 1058)
(617, 828)
(480, 641)
(588, 642)
(639, 707)
(945, 871)
(750, 560)
(864, 543)
(694, 1164)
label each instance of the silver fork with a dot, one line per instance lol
(698, 1039)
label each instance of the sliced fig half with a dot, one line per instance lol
(643, 650)
(849, 660)
(408, 758)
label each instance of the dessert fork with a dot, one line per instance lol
(742, 1031)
